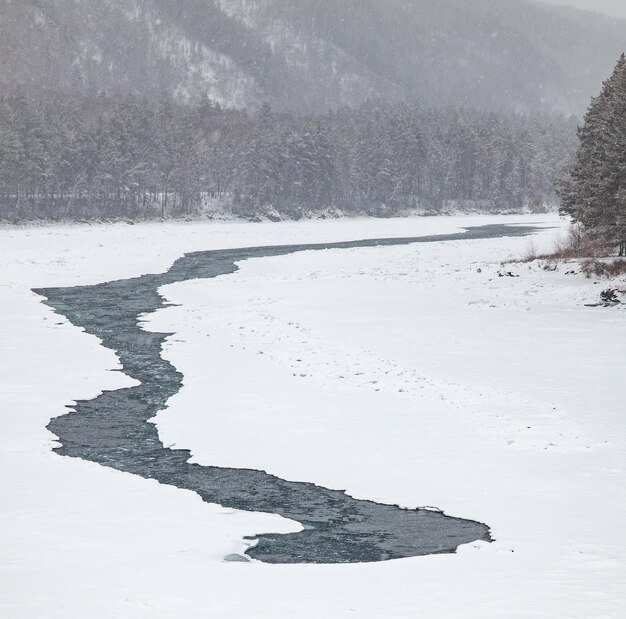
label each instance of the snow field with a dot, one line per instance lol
(403, 375)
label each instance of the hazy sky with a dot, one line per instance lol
(610, 7)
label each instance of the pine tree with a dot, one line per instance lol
(592, 192)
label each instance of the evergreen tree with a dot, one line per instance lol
(592, 192)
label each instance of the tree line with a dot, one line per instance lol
(97, 157)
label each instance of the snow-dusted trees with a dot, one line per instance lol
(100, 157)
(385, 159)
(593, 192)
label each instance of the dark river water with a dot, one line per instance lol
(113, 429)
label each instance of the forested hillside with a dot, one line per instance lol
(307, 56)
(99, 157)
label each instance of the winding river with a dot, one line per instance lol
(114, 430)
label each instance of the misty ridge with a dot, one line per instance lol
(278, 109)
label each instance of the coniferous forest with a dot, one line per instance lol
(95, 157)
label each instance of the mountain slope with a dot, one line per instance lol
(313, 54)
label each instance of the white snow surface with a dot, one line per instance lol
(411, 375)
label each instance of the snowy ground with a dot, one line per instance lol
(411, 375)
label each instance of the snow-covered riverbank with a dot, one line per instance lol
(412, 375)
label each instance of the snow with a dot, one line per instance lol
(411, 375)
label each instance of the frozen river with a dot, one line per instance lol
(114, 430)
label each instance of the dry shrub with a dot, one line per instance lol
(531, 253)
(574, 245)
(593, 267)
(578, 244)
